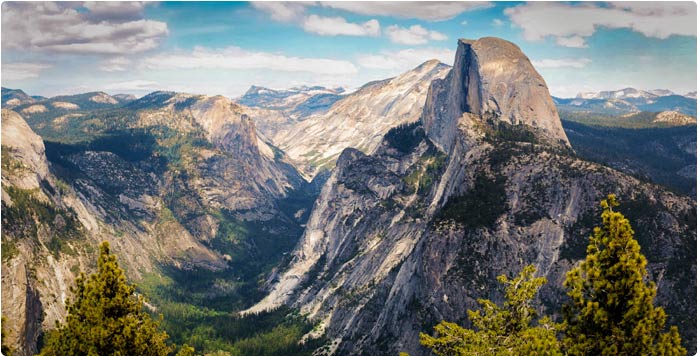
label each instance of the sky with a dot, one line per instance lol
(225, 47)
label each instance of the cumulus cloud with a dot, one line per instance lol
(320, 25)
(497, 23)
(334, 26)
(21, 71)
(573, 42)
(413, 35)
(423, 10)
(561, 63)
(237, 58)
(405, 59)
(569, 24)
(282, 11)
(116, 11)
(104, 28)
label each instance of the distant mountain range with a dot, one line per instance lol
(629, 100)
(297, 101)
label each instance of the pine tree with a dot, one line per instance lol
(5, 349)
(106, 317)
(500, 330)
(611, 311)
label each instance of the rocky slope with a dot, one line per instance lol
(51, 231)
(417, 231)
(359, 120)
(15, 97)
(180, 184)
(674, 118)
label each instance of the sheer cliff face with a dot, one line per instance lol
(416, 232)
(493, 79)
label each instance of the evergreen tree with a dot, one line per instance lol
(500, 330)
(5, 349)
(106, 317)
(611, 311)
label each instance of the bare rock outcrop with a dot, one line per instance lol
(491, 78)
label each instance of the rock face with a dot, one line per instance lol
(490, 78)
(20, 141)
(359, 120)
(254, 179)
(417, 231)
(674, 118)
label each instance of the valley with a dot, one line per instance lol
(350, 220)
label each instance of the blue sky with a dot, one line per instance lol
(225, 47)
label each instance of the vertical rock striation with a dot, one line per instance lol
(493, 79)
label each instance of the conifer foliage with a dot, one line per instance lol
(611, 311)
(106, 317)
(501, 330)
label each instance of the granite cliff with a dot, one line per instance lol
(482, 185)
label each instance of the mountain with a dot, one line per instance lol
(637, 119)
(124, 98)
(64, 106)
(626, 93)
(482, 185)
(183, 187)
(358, 120)
(296, 102)
(663, 155)
(629, 100)
(51, 230)
(15, 97)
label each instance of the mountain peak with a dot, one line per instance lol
(491, 78)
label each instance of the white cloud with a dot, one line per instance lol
(423, 10)
(413, 35)
(571, 24)
(282, 11)
(320, 25)
(60, 27)
(334, 26)
(561, 63)
(405, 59)
(573, 41)
(497, 23)
(116, 64)
(120, 11)
(237, 58)
(21, 71)
(464, 23)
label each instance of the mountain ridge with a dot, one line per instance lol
(417, 231)
(358, 119)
